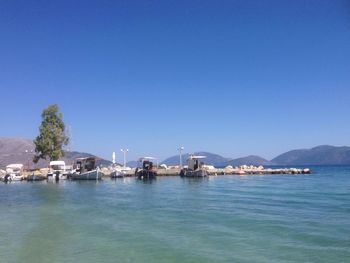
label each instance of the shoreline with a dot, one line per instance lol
(42, 174)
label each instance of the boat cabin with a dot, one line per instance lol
(147, 163)
(194, 162)
(57, 166)
(195, 167)
(83, 165)
(147, 171)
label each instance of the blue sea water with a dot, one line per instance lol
(260, 218)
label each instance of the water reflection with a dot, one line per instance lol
(195, 180)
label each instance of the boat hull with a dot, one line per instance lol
(16, 178)
(57, 176)
(197, 173)
(11, 177)
(34, 177)
(91, 175)
(117, 174)
(144, 174)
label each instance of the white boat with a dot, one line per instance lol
(195, 167)
(14, 172)
(85, 169)
(58, 170)
(117, 172)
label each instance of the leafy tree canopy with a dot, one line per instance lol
(52, 137)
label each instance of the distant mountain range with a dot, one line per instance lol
(220, 161)
(249, 160)
(320, 155)
(17, 150)
(132, 164)
(213, 159)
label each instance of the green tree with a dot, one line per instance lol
(52, 137)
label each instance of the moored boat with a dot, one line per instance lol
(194, 168)
(14, 172)
(57, 170)
(117, 174)
(147, 170)
(35, 177)
(85, 169)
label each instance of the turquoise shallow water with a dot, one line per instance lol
(276, 218)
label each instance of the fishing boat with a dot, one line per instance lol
(36, 177)
(116, 169)
(195, 167)
(14, 172)
(58, 170)
(4, 178)
(85, 169)
(147, 171)
(117, 173)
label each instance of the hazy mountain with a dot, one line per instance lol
(18, 150)
(212, 159)
(320, 155)
(219, 161)
(248, 160)
(132, 164)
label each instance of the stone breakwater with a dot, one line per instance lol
(225, 171)
(259, 171)
(242, 171)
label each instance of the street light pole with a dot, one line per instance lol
(180, 150)
(113, 158)
(124, 151)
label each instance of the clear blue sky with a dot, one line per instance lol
(230, 77)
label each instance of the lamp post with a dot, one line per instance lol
(124, 151)
(180, 150)
(113, 158)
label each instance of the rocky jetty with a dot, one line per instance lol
(251, 170)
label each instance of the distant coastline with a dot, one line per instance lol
(19, 150)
